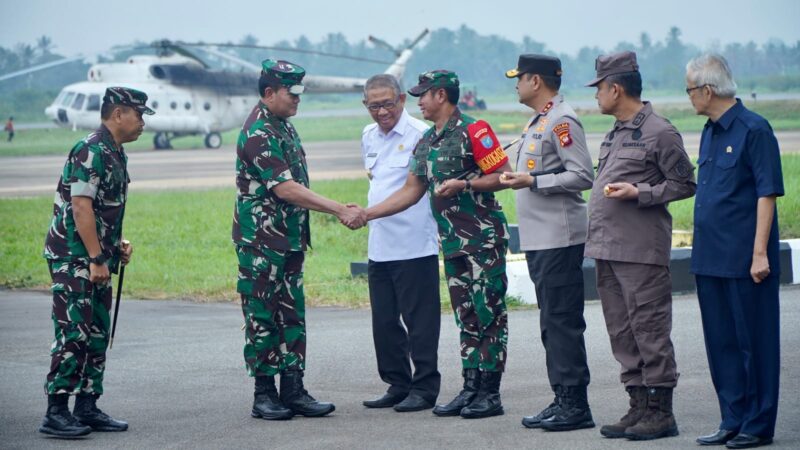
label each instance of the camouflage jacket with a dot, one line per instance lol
(469, 221)
(268, 153)
(95, 168)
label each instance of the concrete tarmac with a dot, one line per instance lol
(201, 169)
(176, 373)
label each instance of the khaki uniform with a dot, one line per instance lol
(631, 239)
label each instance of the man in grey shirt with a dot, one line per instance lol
(553, 167)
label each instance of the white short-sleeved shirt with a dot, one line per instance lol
(409, 234)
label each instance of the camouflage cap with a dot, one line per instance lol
(128, 97)
(286, 73)
(605, 65)
(538, 64)
(434, 79)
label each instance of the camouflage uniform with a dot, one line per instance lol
(96, 168)
(271, 236)
(474, 235)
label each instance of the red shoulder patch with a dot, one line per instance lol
(486, 149)
(562, 131)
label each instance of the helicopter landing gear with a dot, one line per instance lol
(161, 141)
(213, 140)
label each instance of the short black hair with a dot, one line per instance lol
(551, 81)
(452, 93)
(265, 82)
(107, 109)
(630, 82)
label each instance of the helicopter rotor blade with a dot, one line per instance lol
(39, 67)
(284, 49)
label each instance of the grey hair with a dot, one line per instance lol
(383, 80)
(713, 70)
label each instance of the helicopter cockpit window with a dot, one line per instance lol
(187, 105)
(173, 105)
(207, 106)
(78, 103)
(93, 104)
(67, 100)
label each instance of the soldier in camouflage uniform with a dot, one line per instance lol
(459, 161)
(83, 246)
(271, 233)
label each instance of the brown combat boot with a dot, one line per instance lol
(638, 406)
(658, 421)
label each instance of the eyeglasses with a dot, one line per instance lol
(689, 90)
(375, 107)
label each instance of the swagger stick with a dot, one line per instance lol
(119, 297)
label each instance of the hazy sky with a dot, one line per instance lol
(88, 26)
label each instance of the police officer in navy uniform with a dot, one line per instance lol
(735, 255)
(553, 167)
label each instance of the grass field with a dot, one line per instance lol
(183, 247)
(783, 115)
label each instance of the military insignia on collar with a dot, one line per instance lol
(562, 130)
(638, 119)
(547, 107)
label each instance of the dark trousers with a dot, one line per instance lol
(557, 275)
(637, 306)
(407, 289)
(741, 326)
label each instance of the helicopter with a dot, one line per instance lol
(190, 98)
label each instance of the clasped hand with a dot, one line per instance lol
(353, 216)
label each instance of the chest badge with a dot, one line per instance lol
(401, 147)
(729, 149)
(531, 164)
(532, 147)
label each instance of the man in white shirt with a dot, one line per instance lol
(403, 257)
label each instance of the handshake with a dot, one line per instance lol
(352, 216)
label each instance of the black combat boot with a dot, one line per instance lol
(487, 402)
(574, 412)
(296, 398)
(87, 412)
(59, 422)
(266, 403)
(472, 382)
(550, 411)
(658, 421)
(638, 406)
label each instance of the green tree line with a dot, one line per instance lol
(477, 58)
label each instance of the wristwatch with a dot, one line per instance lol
(533, 185)
(99, 259)
(467, 186)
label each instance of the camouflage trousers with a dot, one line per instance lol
(477, 285)
(273, 303)
(81, 321)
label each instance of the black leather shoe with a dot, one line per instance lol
(413, 402)
(386, 401)
(748, 441)
(719, 437)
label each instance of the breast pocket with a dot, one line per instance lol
(633, 161)
(449, 162)
(725, 169)
(602, 158)
(400, 160)
(531, 162)
(295, 160)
